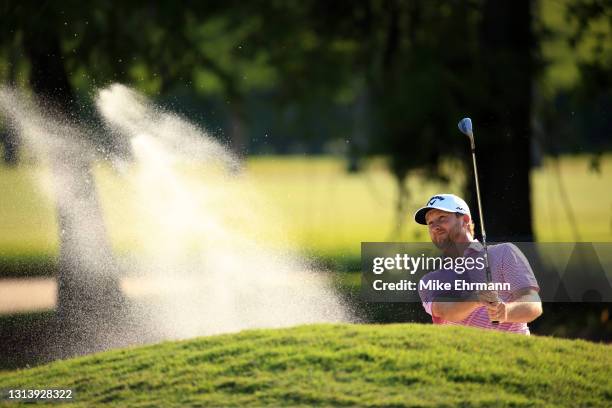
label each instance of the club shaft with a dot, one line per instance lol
(482, 225)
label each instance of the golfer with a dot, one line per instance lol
(451, 229)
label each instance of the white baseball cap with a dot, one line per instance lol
(445, 202)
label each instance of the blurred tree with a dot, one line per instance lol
(424, 73)
(507, 58)
(416, 63)
(395, 63)
(8, 139)
(592, 97)
(88, 286)
(576, 119)
(439, 62)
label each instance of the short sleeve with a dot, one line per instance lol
(427, 306)
(516, 269)
(426, 295)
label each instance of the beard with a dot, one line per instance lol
(444, 243)
(447, 242)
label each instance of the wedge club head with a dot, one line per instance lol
(465, 126)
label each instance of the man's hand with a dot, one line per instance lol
(498, 312)
(496, 309)
(488, 296)
(525, 306)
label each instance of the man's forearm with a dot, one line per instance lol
(454, 311)
(523, 312)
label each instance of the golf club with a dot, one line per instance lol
(465, 126)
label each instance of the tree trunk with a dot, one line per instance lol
(8, 138)
(88, 287)
(503, 132)
(237, 138)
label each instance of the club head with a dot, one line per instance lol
(465, 126)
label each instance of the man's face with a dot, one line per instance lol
(445, 228)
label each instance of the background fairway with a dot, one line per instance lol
(311, 204)
(393, 365)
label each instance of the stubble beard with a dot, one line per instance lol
(448, 243)
(444, 243)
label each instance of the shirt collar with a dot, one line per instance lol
(474, 247)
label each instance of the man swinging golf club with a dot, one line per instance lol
(449, 221)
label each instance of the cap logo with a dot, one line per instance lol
(434, 199)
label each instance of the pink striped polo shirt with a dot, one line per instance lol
(508, 264)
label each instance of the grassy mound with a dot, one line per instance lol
(394, 365)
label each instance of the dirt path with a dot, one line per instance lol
(25, 295)
(34, 294)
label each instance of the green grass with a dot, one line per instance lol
(27, 216)
(395, 365)
(310, 204)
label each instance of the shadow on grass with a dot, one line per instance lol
(29, 339)
(22, 338)
(27, 266)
